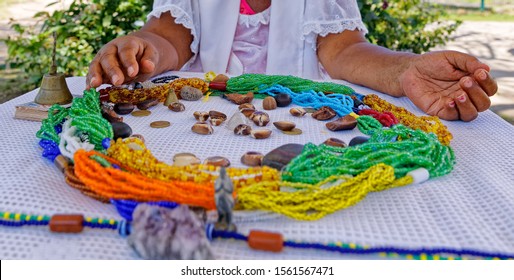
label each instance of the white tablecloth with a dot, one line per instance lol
(471, 208)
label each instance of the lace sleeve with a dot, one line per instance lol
(330, 16)
(185, 13)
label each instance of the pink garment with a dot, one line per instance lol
(245, 9)
(250, 46)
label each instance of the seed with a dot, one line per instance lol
(142, 113)
(177, 107)
(260, 133)
(242, 129)
(284, 126)
(260, 118)
(147, 104)
(217, 161)
(160, 124)
(202, 128)
(324, 113)
(201, 116)
(269, 103)
(252, 158)
(297, 112)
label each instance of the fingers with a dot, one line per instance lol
(447, 109)
(486, 82)
(112, 69)
(475, 93)
(465, 62)
(148, 59)
(127, 53)
(94, 76)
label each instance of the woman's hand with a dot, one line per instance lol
(448, 84)
(123, 60)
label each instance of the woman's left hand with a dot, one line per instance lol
(449, 84)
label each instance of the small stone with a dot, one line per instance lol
(252, 159)
(190, 93)
(324, 113)
(284, 125)
(138, 136)
(177, 107)
(147, 104)
(141, 113)
(172, 97)
(246, 105)
(357, 140)
(121, 130)
(160, 124)
(260, 133)
(297, 112)
(123, 108)
(202, 128)
(260, 118)
(201, 116)
(334, 142)
(220, 78)
(239, 99)
(294, 131)
(217, 161)
(283, 99)
(236, 119)
(61, 162)
(345, 123)
(281, 156)
(242, 129)
(217, 115)
(269, 103)
(184, 159)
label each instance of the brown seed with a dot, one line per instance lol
(142, 113)
(217, 161)
(246, 105)
(202, 128)
(324, 113)
(248, 112)
(294, 131)
(160, 124)
(260, 133)
(147, 104)
(220, 78)
(184, 159)
(297, 112)
(252, 158)
(201, 116)
(269, 103)
(242, 129)
(216, 121)
(240, 98)
(177, 107)
(217, 115)
(345, 123)
(123, 108)
(260, 118)
(284, 126)
(138, 136)
(335, 142)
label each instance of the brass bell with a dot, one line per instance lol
(54, 89)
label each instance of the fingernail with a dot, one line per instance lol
(482, 75)
(461, 98)
(451, 104)
(115, 79)
(92, 82)
(468, 83)
(130, 71)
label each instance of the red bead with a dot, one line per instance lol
(218, 86)
(66, 223)
(266, 241)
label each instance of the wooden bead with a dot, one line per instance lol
(66, 223)
(266, 241)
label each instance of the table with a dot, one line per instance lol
(472, 207)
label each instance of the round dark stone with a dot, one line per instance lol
(357, 140)
(283, 99)
(121, 130)
(123, 108)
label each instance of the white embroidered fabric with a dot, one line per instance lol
(470, 208)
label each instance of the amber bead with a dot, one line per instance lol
(218, 86)
(266, 241)
(66, 223)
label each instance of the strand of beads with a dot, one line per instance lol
(340, 103)
(312, 202)
(399, 146)
(429, 124)
(258, 82)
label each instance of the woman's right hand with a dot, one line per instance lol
(123, 60)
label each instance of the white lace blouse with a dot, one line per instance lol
(280, 40)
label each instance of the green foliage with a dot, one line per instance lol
(82, 30)
(410, 25)
(86, 26)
